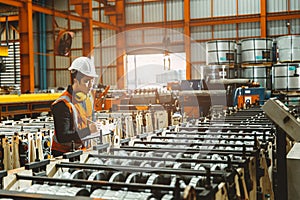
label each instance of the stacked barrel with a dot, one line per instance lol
(285, 75)
(257, 60)
(249, 58)
(220, 59)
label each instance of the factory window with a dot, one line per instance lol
(154, 69)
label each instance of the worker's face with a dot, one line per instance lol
(86, 84)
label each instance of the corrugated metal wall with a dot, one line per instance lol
(151, 40)
(200, 9)
(153, 12)
(295, 4)
(133, 13)
(295, 26)
(225, 31)
(201, 32)
(248, 7)
(249, 29)
(277, 28)
(175, 10)
(198, 52)
(224, 8)
(277, 5)
(108, 57)
(109, 76)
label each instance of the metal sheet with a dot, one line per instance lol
(277, 5)
(225, 31)
(200, 9)
(248, 7)
(224, 8)
(295, 4)
(277, 27)
(201, 33)
(110, 77)
(133, 13)
(134, 37)
(155, 35)
(153, 12)
(62, 78)
(295, 26)
(249, 29)
(198, 52)
(175, 10)
(77, 40)
(108, 37)
(177, 35)
(109, 56)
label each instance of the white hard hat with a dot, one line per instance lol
(85, 66)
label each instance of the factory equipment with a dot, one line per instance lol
(26, 104)
(151, 100)
(25, 140)
(225, 156)
(100, 96)
(287, 126)
(247, 96)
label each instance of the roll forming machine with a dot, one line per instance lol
(229, 155)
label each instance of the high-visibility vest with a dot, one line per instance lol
(80, 116)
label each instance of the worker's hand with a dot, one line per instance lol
(93, 128)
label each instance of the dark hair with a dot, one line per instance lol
(76, 75)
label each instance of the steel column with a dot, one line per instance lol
(87, 29)
(187, 38)
(263, 18)
(120, 19)
(26, 47)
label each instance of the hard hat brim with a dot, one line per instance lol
(86, 74)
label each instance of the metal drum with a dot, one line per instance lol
(288, 48)
(285, 77)
(256, 50)
(220, 52)
(260, 74)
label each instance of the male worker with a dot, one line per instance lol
(73, 111)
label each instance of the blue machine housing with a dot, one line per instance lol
(248, 92)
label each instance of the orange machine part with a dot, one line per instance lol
(100, 100)
(243, 99)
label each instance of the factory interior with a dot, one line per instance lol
(193, 99)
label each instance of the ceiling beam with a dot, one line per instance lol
(48, 11)
(220, 20)
(10, 18)
(12, 3)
